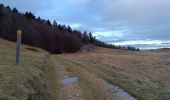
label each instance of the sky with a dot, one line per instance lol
(122, 22)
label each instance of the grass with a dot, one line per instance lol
(89, 89)
(143, 74)
(29, 80)
(111, 76)
(53, 81)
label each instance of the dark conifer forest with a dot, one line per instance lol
(38, 32)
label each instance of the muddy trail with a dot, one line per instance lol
(77, 83)
(68, 88)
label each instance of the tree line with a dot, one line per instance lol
(38, 32)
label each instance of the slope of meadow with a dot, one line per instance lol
(31, 80)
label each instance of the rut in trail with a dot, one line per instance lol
(99, 85)
(96, 84)
(84, 82)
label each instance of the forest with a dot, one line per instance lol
(38, 32)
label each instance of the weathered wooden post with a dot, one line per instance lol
(19, 33)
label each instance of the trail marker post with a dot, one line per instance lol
(18, 45)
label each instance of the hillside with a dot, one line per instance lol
(33, 79)
(55, 38)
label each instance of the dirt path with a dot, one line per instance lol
(100, 85)
(68, 91)
(93, 82)
(86, 85)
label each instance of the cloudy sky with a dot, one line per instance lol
(113, 21)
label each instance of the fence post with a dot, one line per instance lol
(18, 44)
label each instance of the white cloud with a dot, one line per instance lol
(109, 34)
(147, 41)
(75, 25)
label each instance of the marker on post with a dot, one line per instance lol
(19, 33)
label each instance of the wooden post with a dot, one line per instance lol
(19, 32)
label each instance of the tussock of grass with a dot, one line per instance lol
(32, 49)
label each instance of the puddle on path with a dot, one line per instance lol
(70, 80)
(120, 92)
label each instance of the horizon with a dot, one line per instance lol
(116, 22)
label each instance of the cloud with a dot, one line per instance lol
(109, 20)
(138, 14)
(109, 34)
(133, 42)
(26, 5)
(75, 25)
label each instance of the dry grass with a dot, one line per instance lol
(30, 80)
(143, 74)
(90, 92)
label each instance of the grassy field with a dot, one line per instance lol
(143, 74)
(31, 80)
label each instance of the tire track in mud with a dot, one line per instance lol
(97, 83)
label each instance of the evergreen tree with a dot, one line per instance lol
(78, 34)
(60, 27)
(1, 15)
(91, 37)
(85, 38)
(69, 29)
(55, 23)
(30, 15)
(1, 5)
(39, 19)
(1, 12)
(49, 23)
(64, 27)
(15, 10)
(7, 7)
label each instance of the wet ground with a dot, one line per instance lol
(120, 92)
(116, 89)
(69, 80)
